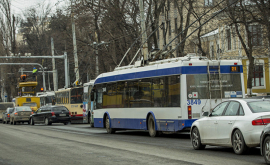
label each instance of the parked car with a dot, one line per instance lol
(6, 115)
(3, 108)
(265, 144)
(51, 114)
(20, 114)
(236, 123)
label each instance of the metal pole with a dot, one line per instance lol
(144, 36)
(76, 70)
(66, 70)
(55, 88)
(49, 81)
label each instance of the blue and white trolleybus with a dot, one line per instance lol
(166, 95)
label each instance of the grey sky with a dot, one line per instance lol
(18, 6)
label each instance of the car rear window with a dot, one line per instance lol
(10, 110)
(30, 104)
(23, 109)
(59, 109)
(259, 106)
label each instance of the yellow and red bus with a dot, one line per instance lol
(72, 99)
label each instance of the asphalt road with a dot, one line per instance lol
(78, 144)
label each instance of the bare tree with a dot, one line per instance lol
(243, 17)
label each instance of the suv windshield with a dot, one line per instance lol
(23, 109)
(259, 106)
(59, 109)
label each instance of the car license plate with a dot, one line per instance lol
(62, 114)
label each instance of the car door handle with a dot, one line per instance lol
(215, 122)
(230, 122)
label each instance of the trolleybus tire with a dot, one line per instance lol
(151, 127)
(196, 139)
(107, 125)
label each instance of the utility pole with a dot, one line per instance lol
(76, 70)
(144, 36)
(55, 85)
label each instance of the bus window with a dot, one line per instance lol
(76, 95)
(158, 92)
(99, 98)
(172, 90)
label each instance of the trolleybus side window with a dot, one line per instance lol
(158, 92)
(150, 92)
(99, 97)
(172, 91)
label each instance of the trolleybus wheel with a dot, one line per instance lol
(151, 127)
(196, 139)
(107, 125)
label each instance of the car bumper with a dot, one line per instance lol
(252, 138)
(21, 118)
(59, 119)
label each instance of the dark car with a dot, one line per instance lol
(6, 115)
(265, 144)
(50, 114)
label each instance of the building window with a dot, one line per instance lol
(175, 24)
(170, 28)
(256, 35)
(258, 79)
(208, 2)
(168, 5)
(229, 41)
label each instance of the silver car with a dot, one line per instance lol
(20, 114)
(6, 115)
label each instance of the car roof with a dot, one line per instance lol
(251, 99)
(52, 106)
